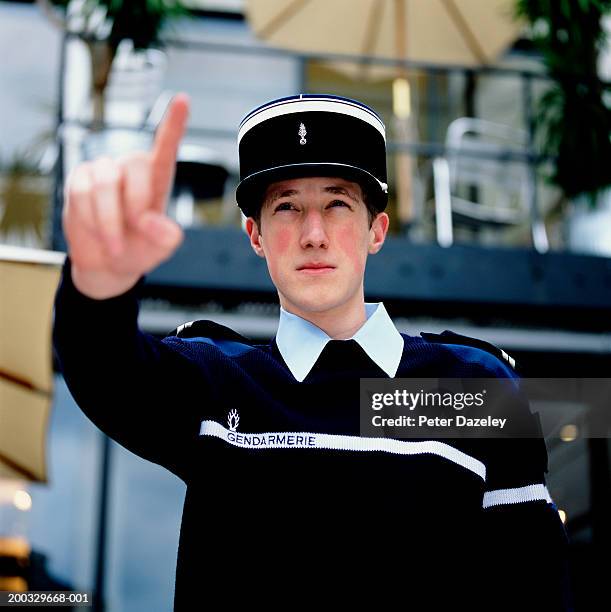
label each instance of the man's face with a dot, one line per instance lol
(315, 237)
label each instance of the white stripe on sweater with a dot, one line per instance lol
(519, 495)
(343, 443)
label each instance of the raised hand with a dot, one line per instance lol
(114, 216)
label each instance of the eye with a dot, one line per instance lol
(340, 203)
(284, 206)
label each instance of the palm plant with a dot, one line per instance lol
(24, 194)
(573, 119)
(103, 24)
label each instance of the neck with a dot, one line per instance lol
(339, 323)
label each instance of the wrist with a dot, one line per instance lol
(100, 285)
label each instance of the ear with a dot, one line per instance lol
(255, 237)
(377, 233)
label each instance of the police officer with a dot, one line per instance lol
(286, 501)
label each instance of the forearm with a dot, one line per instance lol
(93, 337)
(123, 379)
(525, 552)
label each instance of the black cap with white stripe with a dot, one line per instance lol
(311, 135)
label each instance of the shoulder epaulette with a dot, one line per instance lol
(208, 329)
(450, 337)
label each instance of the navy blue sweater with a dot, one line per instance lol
(281, 507)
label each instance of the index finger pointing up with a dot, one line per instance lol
(165, 148)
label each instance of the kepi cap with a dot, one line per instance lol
(311, 135)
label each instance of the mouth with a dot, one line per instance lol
(316, 268)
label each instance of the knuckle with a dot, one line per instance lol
(106, 173)
(80, 188)
(137, 170)
(137, 158)
(79, 182)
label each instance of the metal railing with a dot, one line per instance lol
(426, 149)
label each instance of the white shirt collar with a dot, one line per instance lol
(300, 342)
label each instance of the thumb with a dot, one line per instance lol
(160, 230)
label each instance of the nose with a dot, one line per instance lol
(313, 233)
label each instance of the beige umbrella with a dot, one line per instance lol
(460, 32)
(28, 280)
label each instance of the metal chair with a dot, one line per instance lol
(200, 175)
(485, 181)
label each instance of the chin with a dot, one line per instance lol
(315, 301)
(317, 307)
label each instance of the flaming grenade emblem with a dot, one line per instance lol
(302, 133)
(233, 419)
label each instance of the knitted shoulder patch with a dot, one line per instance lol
(450, 337)
(208, 329)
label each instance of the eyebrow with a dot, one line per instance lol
(336, 189)
(341, 191)
(287, 193)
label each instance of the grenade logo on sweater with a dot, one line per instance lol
(233, 419)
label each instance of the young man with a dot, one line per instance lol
(286, 502)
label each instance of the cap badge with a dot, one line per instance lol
(302, 133)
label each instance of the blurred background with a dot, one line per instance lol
(498, 119)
